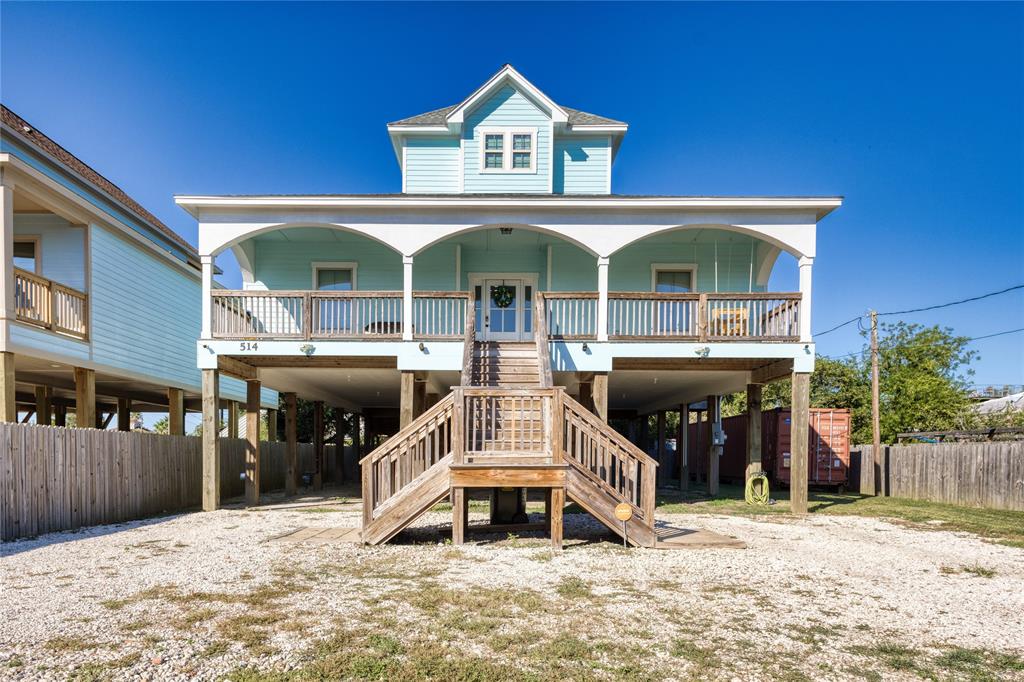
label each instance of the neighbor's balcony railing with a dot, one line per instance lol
(51, 305)
(646, 316)
(376, 315)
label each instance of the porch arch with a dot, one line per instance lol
(799, 242)
(238, 234)
(551, 232)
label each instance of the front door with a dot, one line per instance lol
(503, 311)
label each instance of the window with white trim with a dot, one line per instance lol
(509, 150)
(673, 281)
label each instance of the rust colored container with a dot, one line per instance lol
(828, 451)
(828, 446)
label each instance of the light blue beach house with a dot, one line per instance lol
(495, 315)
(100, 300)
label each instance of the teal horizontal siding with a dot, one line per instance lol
(581, 165)
(61, 246)
(630, 268)
(507, 108)
(289, 264)
(146, 316)
(432, 165)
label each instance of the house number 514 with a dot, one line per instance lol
(248, 345)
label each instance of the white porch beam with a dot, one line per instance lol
(407, 298)
(7, 250)
(207, 326)
(806, 265)
(602, 298)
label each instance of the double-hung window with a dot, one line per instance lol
(671, 317)
(508, 150)
(335, 316)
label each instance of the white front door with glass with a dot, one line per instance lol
(504, 309)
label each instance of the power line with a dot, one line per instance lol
(918, 310)
(965, 300)
(975, 338)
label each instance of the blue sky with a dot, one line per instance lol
(913, 112)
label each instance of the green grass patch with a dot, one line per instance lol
(68, 644)
(1002, 526)
(572, 587)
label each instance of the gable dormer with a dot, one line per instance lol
(506, 137)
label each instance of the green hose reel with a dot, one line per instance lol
(760, 497)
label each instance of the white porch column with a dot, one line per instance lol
(7, 250)
(407, 298)
(806, 264)
(207, 329)
(602, 298)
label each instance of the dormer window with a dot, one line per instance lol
(508, 150)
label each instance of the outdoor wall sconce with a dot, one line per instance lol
(703, 351)
(423, 348)
(586, 348)
(307, 349)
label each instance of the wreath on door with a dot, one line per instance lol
(503, 295)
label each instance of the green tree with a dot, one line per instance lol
(163, 425)
(923, 375)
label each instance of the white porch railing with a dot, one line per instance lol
(51, 305)
(336, 315)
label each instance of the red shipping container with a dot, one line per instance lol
(828, 447)
(828, 453)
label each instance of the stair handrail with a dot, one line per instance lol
(650, 465)
(540, 334)
(467, 349)
(385, 449)
(414, 425)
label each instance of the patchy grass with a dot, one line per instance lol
(894, 656)
(1002, 526)
(319, 510)
(67, 643)
(703, 657)
(572, 587)
(976, 570)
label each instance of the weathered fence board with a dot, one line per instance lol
(989, 475)
(54, 478)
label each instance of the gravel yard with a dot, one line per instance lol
(215, 596)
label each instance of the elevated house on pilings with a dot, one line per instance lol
(100, 300)
(489, 318)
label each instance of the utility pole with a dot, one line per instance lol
(876, 429)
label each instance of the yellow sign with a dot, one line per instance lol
(624, 512)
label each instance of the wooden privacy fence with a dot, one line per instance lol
(54, 478)
(987, 475)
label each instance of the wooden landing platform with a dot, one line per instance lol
(670, 537)
(311, 534)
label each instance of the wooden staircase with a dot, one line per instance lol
(507, 426)
(505, 364)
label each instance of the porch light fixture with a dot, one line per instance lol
(307, 349)
(423, 348)
(703, 351)
(586, 348)
(505, 230)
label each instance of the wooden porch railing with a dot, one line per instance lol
(616, 466)
(51, 305)
(336, 315)
(507, 425)
(648, 316)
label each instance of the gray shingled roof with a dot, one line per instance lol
(438, 116)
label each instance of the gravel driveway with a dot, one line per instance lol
(208, 596)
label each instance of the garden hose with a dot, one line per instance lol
(759, 498)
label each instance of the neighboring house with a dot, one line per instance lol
(100, 299)
(1013, 402)
(508, 268)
